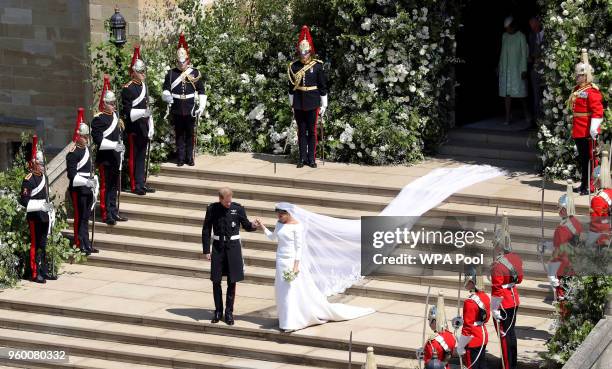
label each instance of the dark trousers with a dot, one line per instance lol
(81, 202)
(109, 177)
(230, 296)
(508, 338)
(136, 161)
(38, 247)
(473, 360)
(184, 127)
(307, 134)
(585, 149)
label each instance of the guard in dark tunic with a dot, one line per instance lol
(307, 97)
(183, 87)
(224, 219)
(106, 133)
(83, 185)
(39, 213)
(136, 112)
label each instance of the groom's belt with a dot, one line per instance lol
(226, 238)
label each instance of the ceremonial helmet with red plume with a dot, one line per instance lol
(34, 156)
(182, 51)
(107, 96)
(305, 45)
(81, 129)
(137, 65)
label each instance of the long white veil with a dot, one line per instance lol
(332, 250)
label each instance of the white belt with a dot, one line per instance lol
(183, 97)
(84, 174)
(35, 201)
(478, 324)
(508, 286)
(234, 237)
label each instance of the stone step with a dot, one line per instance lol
(515, 167)
(260, 275)
(257, 240)
(266, 259)
(190, 343)
(127, 352)
(185, 304)
(496, 151)
(79, 362)
(488, 136)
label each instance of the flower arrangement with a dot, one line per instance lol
(289, 275)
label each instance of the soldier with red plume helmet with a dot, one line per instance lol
(307, 97)
(184, 91)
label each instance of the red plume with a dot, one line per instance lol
(105, 87)
(182, 43)
(80, 119)
(135, 56)
(305, 34)
(34, 148)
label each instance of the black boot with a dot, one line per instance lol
(39, 279)
(216, 317)
(229, 318)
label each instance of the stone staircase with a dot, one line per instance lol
(513, 150)
(145, 300)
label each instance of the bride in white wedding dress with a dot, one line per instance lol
(299, 303)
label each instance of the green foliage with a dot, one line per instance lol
(570, 26)
(585, 307)
(388, 62)
(14, 231)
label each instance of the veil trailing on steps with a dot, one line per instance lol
(332, 249)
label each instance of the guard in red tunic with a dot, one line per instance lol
(307, 97)
(472, 344)
(39, 214)
(601, 204)
(506, 274)
(586, 105)
(136, 112)
(106, 133)
(565, 239)
(83, 185)
(183, 88)
(439, 348)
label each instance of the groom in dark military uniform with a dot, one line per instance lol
(224, 219)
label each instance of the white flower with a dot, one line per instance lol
(258, 55)
(245, 79)
(257, 113)
(260, 78)
(207, 138)
(565, 13)
(412, 88)
(359, 154)
(366, 25)
(220, 131)
(422, 52)
(281, 57)
(351, 146)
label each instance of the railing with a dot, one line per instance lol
(56, 173)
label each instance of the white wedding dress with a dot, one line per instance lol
(300, 303)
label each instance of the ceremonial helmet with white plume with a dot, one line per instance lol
(438, 313)
(502, 235)
(583, 67)
(566, 201)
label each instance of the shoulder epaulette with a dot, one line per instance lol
(98, 114)
(28, 176)
(318, 61)
(594, 86)
(128, 84)
(73, 147)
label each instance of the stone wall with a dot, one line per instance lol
(43, 65)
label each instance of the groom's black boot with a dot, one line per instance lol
(218, 302)
(230, 296)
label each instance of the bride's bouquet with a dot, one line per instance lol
(289, 275)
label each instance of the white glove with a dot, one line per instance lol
(554, 281)
(90, 183)
(151, 128)
(47, 207)
(291, 100)
(595, 123)
(201, 105)
(323, 105)
(496, 315)
(120, 147)
(136, 114)
(167, 97)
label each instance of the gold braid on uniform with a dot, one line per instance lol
(574, 95)
(297, 77)
(193, 79)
